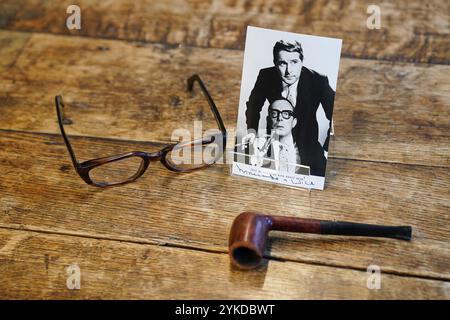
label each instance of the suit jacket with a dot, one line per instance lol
(313, 89)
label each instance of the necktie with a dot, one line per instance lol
(290, 94)
(284, 157)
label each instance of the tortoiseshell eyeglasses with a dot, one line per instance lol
(127, 167)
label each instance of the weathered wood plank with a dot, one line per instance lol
(34, 266)
(392, 112)
(11, 45)
(410, 30)
(40, 191)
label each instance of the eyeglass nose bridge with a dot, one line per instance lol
(152, 156)
(155, 156)
(279, 116)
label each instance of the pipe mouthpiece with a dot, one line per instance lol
(404, 233)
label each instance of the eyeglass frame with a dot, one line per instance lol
(290, 112)
(85, 167)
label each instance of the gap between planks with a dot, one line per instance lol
(182, 45)
(212, 251)
(162, 142)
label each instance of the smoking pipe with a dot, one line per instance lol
(249, 232)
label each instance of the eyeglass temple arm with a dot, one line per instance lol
(60, 112)
(190, 85)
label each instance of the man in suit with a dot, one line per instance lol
(283, 154)
(305, 89)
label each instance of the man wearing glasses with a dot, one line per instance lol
(284, 153)
(305, 89)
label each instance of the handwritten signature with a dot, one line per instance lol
(302, 180)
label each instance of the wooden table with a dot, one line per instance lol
(165, 236)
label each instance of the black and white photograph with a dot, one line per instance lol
(286, 104)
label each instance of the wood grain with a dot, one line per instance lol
(34, 266)
(389, 112)
(410, 30)
(165, 235)
(11, 45)
(40, 191)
